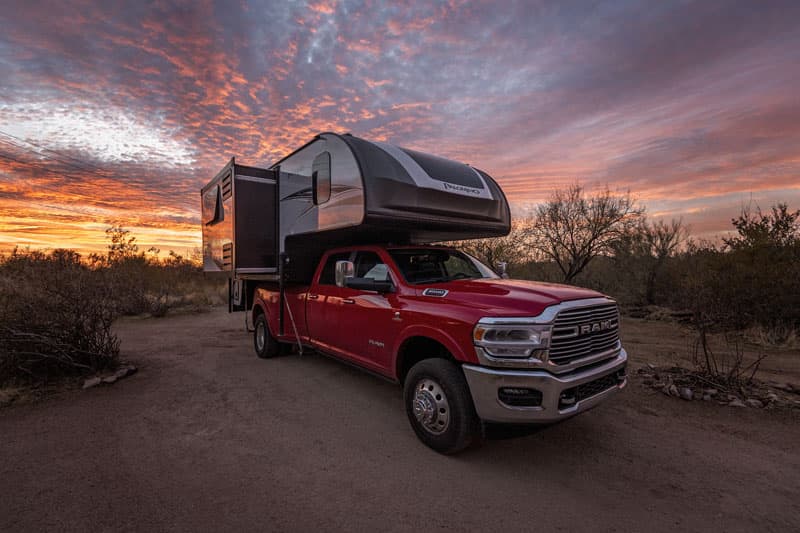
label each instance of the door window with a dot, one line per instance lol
(369, 265)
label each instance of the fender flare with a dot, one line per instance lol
(421, 330)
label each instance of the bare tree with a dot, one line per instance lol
(573, 227)
(122, 245)
(662, 240)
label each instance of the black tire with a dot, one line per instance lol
(439, 406)
(264, 343)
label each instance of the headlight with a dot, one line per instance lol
(511, 340)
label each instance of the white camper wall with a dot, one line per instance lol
(344, 208)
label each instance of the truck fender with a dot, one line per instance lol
(260, 308)
(419, 330)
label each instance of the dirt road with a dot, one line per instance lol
(207, 437)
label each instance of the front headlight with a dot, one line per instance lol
(511, 340)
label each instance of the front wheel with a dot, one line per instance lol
(265, 344)
(439, 406)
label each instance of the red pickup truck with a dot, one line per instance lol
(467, 345)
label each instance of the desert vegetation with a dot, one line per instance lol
(738, 296)
(57, 308)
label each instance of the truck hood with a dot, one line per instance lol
(508, 297)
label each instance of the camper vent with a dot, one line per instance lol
(227, 185)
(227, 255)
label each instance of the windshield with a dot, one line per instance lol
(428, 265)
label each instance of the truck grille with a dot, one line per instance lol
(584, 331)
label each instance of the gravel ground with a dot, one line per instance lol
(206, 437)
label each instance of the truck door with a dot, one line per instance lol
(365, 327)
(323, 302)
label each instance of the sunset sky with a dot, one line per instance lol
(120, 114)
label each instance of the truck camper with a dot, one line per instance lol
(331, 248)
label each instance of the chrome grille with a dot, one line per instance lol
(584, 331)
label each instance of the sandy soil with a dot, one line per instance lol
(208, 437)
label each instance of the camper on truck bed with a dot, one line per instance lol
(330, 249)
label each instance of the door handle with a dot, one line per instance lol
(348, 301)
(312, 296)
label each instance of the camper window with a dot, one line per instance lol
(321, 178)
(213, 211)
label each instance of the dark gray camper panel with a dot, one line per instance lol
(239, 209)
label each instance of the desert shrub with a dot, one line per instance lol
(55, 316)
(725, 361)
(144, 282)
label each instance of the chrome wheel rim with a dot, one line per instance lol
(261, 336)
(430, 406)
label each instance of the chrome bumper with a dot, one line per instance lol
(484, 384)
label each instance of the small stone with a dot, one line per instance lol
(686, 393)
(673, 391)
(736, 402)
(706, 397)
(752, 402)
(731, 397)
(92, 382)
(711, 392)
(110, 379)
(124, 371)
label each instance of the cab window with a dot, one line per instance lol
(369, 265)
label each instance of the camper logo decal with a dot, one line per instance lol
(461, 188)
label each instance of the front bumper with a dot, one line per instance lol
(485, 384)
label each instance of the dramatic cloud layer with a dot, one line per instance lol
(111, 113)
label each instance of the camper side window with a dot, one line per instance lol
(321, 178)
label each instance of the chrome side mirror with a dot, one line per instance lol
(344, 270)
(502, 268)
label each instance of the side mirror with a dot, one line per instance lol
(344, 270)
(502, 268)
